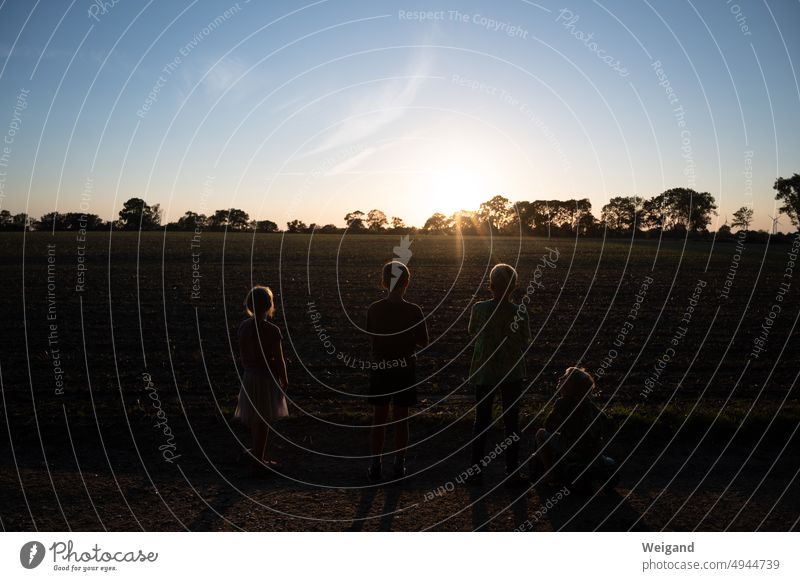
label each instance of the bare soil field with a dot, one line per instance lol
(694, 343)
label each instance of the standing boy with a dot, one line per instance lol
(503, 334)
(397, 328)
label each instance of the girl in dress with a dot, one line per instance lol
(262, 397)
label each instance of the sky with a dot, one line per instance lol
(311, 110)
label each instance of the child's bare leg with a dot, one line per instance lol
(543, 447)
(400, 417)
(264, 455)
(259, 433)
(378, 436)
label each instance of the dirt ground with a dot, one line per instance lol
(719, 483)
(88, 454)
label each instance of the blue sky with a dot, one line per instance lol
(294, 110)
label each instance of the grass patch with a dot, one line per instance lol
(735, 418)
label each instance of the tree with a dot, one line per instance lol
(545, 212)
(136, 214)
(238, 220)
(583, 221)
(376, 220)
(9, 221)
(742, 218)
(686, 208)
(788, 192)
(622, 213)
(653, 213)
(724, 231)
(219, 220)
(191, 221)
(230, 219)
(527, 215)
(437, 224)
(465, 222)
(87, 221)
(496, 212)
(354, 220)
(397, 223)
(50, 221)
(328, 229)
(296, 227)
(70, 221)
(266, 226)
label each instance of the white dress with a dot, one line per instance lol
(261, 399)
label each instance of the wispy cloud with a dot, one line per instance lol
(226, 75)
(385, 105)
(355, 160)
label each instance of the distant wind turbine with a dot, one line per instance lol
(775, 222)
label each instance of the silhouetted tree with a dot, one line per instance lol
(437, 224)
(376, 220)
(742, 218)
(137, 214)
(653, 213)
(15, 222)
(584, 221)
(548, 212)
(496, 212)
(354, 220)
(465, 222)
(724, 231)
(191, 221)
(788, 192)
(525, 217)
(219, 220)
(565, 214)
(296, 227)
(266, 226)
(21, 221)
(397, 223)
(70, 221)
(230, 219)
(685, 209)
(622, 214)
(238, 219)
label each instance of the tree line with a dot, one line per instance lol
(676, 211)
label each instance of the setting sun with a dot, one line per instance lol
(456, 187)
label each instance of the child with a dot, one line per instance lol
(503, 334)
(261, 398)
(574, 431)
(397, 328)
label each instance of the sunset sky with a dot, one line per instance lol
(294, 110)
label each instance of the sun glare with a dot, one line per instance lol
(456, 188)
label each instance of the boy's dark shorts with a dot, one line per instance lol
(397, 386)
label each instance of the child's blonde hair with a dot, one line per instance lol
(503, 279)
(259, 301)
(579, 382)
